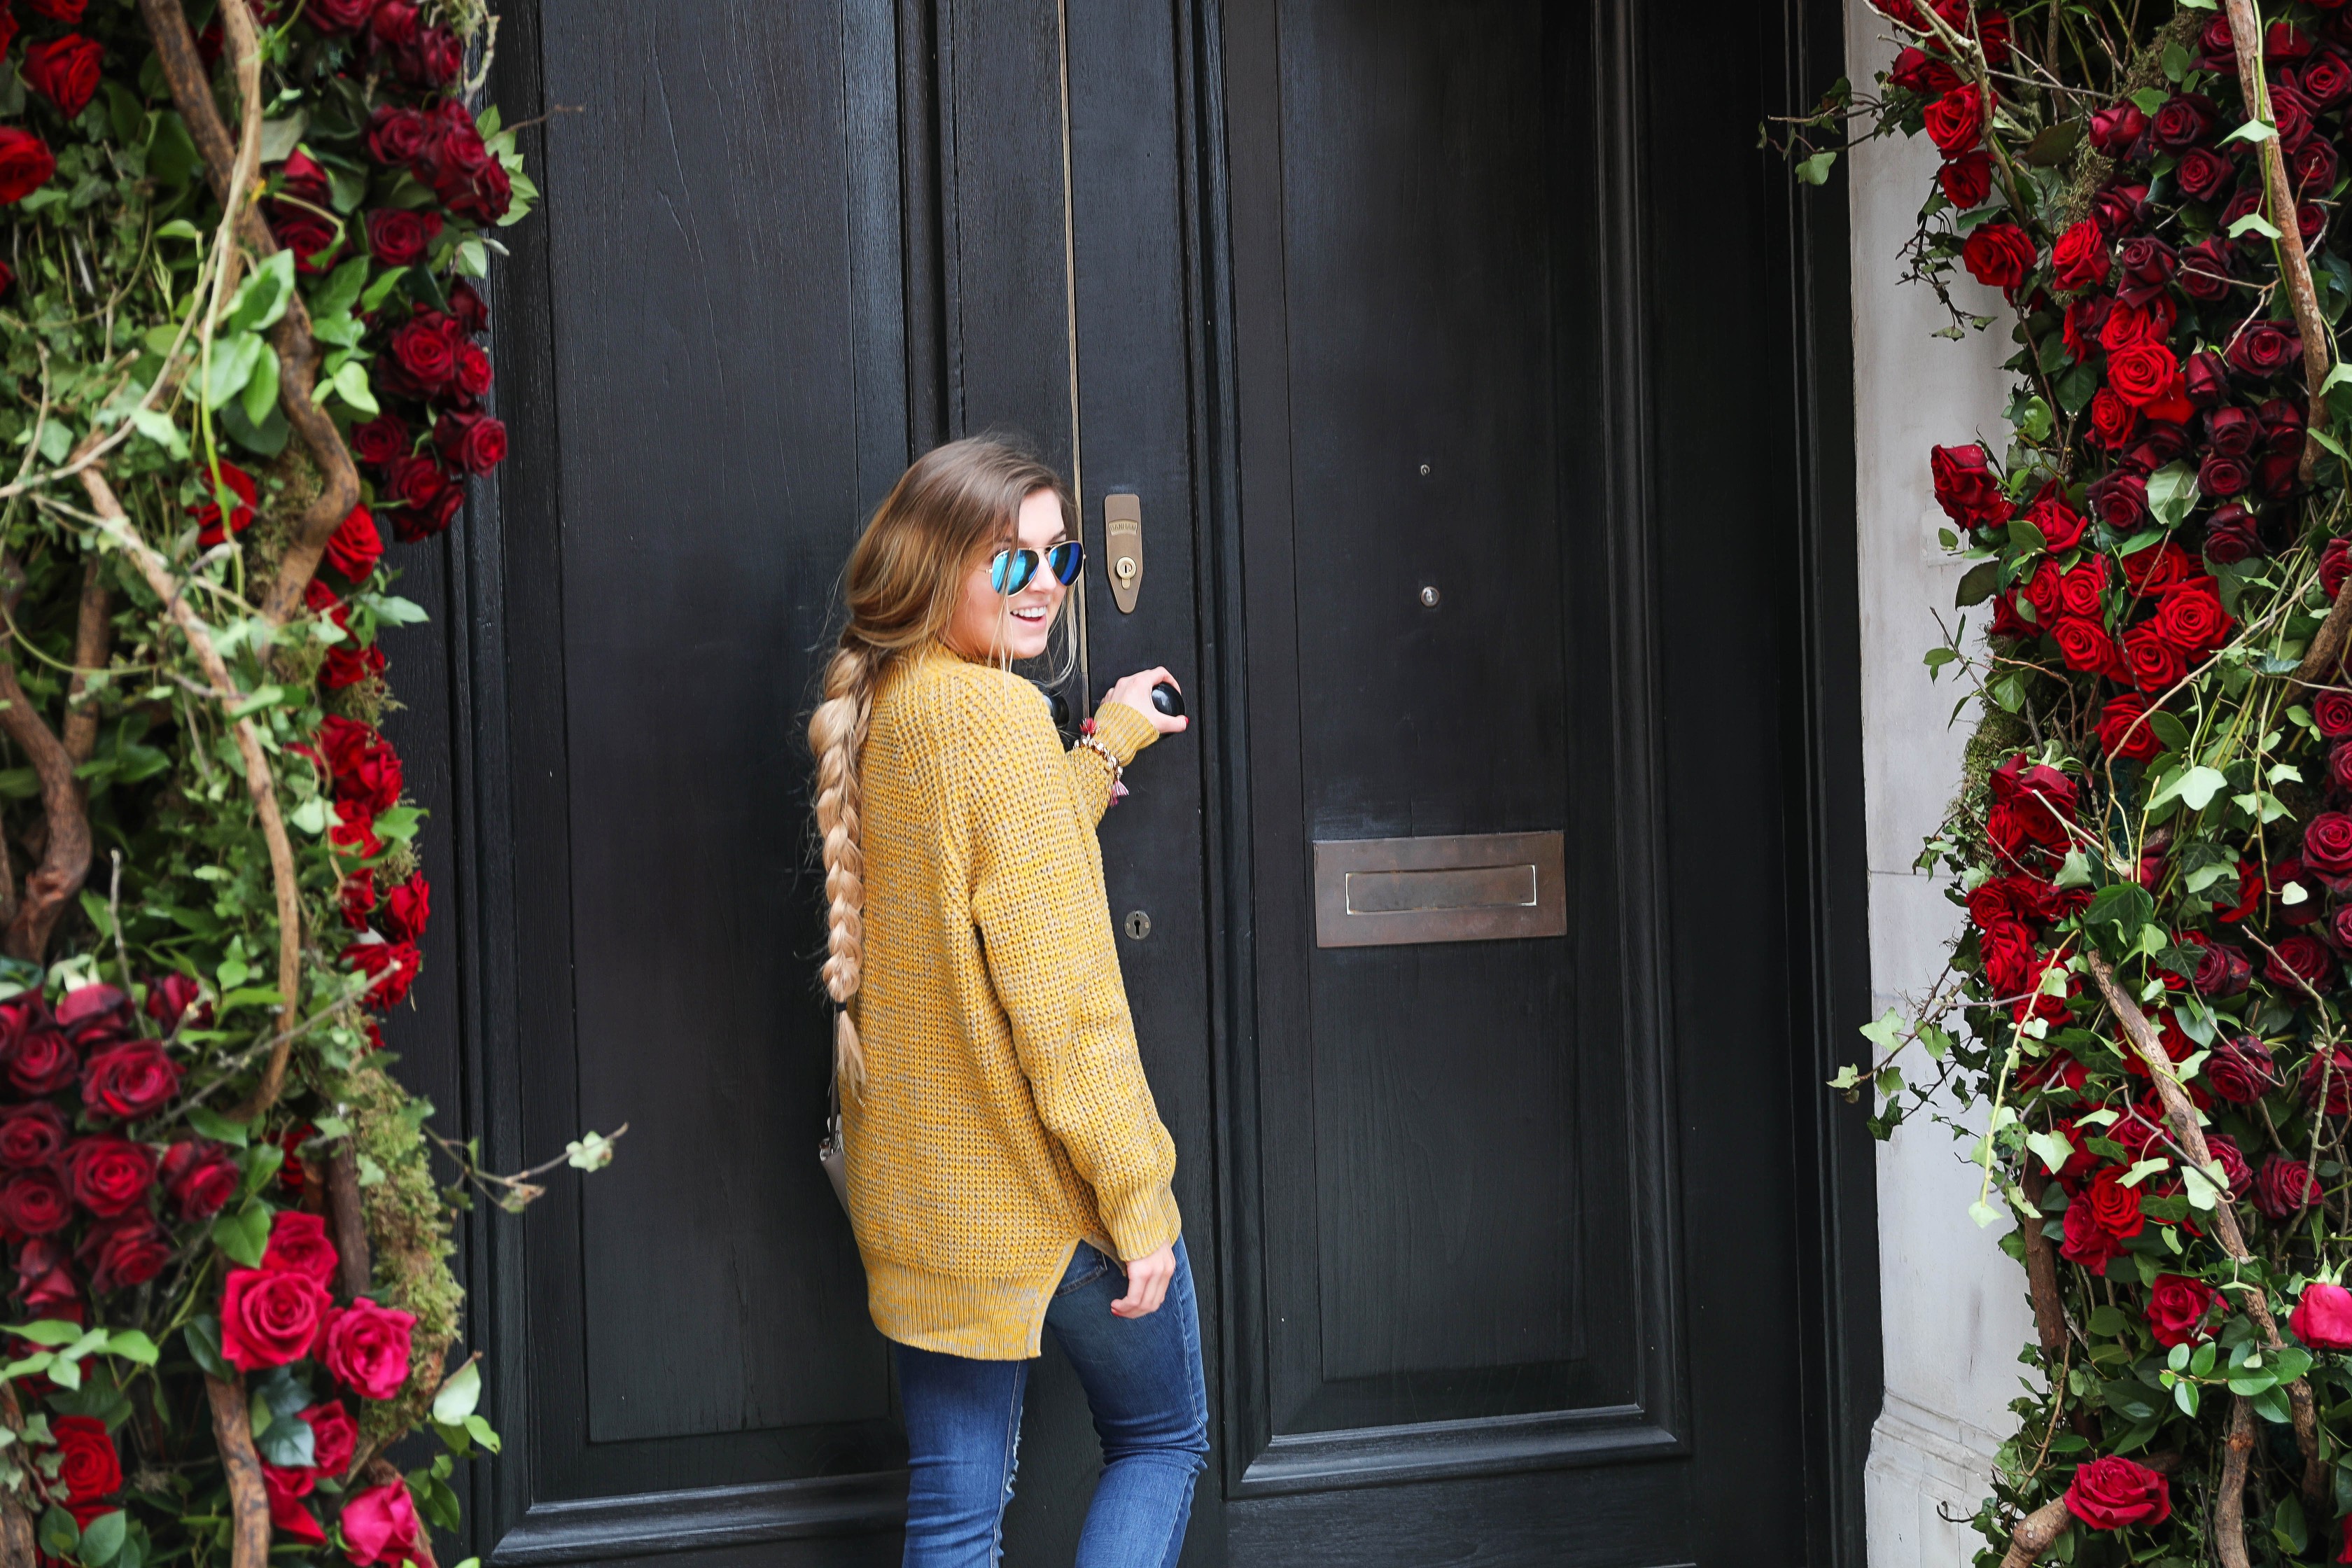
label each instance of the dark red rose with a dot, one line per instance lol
(2326, 80)
(240, 487)
(2114, 128)
(2087, 1242)
(313, 237)
(2154, 663)
(89, 1469)
(2205, 272)
(425, 347)
(2332, 1069)
(2327, 844)
(67, 11)
(270, 1317)
(2323, 1318)
(1966, 180)
(381, 441)
(2313, 166)
(2120, 206)
(124, 1253)
(2246, 199)
(2177, 1308)
(398, 236)
(2112, 419)
(128, 1082)
(2282, 426)
(2265, 349)
(2340, 766)
(355, 547)
(42, 1063)
(31, 1136)
(2284, 1188)
(169, 999)
(368, 1349)
(32, 1203)
(63, 71)
(299, 1244)
(2083, 643)
(2119, 499)
(2186, 120)
(2111, 1492)
(2300, 960)
(2206, 379)
(334, 1438)
(2232, 534)
(2123, 730)
(365, 768)
(94, 1015)
(397, 136)
(1916, 70)
(2147, 265)
(25, 163)
(415, 524)
(200, 1177)
(2284, 41)
(2275, 476)
(1967, 488)
(473, 314)
(1954, 123)
(2191, 619)
(2237, 1176)
(2145, 373)
(434, 61)
(2222, 475)
(2232, 431)
(394, 24)
(1998, 254)
(2334, 566)
(2291, 114)
(391, 968)
(474, 375)
(2080, 325)
(407, 908)
(8, 28)
(109, 1175)
(2080, 260)
(2332, 712)
(339, 15)
(2204, 174)
(474, 442)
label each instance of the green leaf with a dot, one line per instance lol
(2108, 1321)
(2253, 223)
(260, 394)
(351, 384)
(212, 1124)
(340, 291)
(2074, 872)
(381, 290)
(61, 1536)
(399, 823)
(158, 427)
(2053, 144)
(483, 1433)
(2253, 130)
(1977, 585)
(131, 1345)
(102, 1537)
(311, 817)
(232, 365)
(2196, 785)
(244, 1234)
(1815, 170)
(51, 1332)
(2125, 904)
(261, 298)
(65, 1373)
(202, 1337)
(2171, 493)
(458, 1395)
(2151, 99)
(2051, 1149)
(2184, 1395)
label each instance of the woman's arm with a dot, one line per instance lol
(1125, 733)
(1038, 901)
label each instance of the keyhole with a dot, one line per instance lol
(1139, 924)
(1127, 568)
(1429, 595)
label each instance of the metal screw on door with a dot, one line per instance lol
(1139, 924)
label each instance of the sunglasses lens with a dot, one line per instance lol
(1063, 561)
(1011, 571)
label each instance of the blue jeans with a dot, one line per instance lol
(1143, 1383)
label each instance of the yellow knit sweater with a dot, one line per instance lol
(1005, 1115)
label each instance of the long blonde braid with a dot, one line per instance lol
(946, 512)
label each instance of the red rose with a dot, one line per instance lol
(127, 1082)
(2313, 166)
(473, 312)
(2185, 119)
(334, 1438)
(1916, 70)
(169, 999)
(2156, 664)
(2265, 349)
(2083, 644)
(91, 1468)
(2111, 1491)
(1966, 180)
(288, 1518)
(25, 163)
(2080, 260)
(2177, 1308)
(2331, 1069)
(32, 1204)
(2332, 712)
(2123, 731)
(2323, 1318)
(2151, 569)
(407, 908)
(31, 1136)
(2327, 844)
(2284, 1188)
(200, 1177)
(365, 767)
(380, 1527)
(298, 1244)
(94, 1016)
(67, 11)
(2326, 79)
(2081, 590)
(42, 1063)
(347, 665)
(2119, 499)
(2114, 1205)
(1967, 488)
(2112, 419)
(2148, 323)
(63, 71)
(355, 546)
(2145, 373)
(2114, 128)
(109, 1175)
(417, 481)
(2087, 1242)
(2204, 174)
(391, 968)
(269, 1318)
(1956, 121)
(2061, 526)
(474, 372)
(2240, 1069)
(124, 1253)
(2300, 960)
(367, 1348)
(424, 348)
(2191, 619)
(394, 24)
(2236, 1176)
(398, 236)
(2232, 534)
(1998, 255)
(474, 442)
(239, 484)
(339, 15)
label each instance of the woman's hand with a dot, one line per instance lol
(1147, 1277)
(1136, 692)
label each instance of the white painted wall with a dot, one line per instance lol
(1952, 1305)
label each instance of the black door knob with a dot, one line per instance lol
(1168, 700)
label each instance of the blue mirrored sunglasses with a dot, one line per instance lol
(1011, 571)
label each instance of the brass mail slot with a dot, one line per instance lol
(1479, 886)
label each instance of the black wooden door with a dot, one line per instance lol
(1511, 1251)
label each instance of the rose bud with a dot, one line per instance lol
(2323, 1318)
(2232, 534)
(2114, 128)
(2207, 379)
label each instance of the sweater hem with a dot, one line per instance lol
(1001, 1319)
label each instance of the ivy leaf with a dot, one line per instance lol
(2253, 130)
(1815, 170)
(2196, 785)
(2051, 1148)
(458, 1395)
(2253, 223)
(261, 300)
(244, 1234)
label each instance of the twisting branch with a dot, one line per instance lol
(231, 171)
(2229, 1508)
(2049, 1312)
(65, 856)
(2034, 1533)
(347, 1217)
(258, 782)
(93, 635)
(2182, 1115)
(248, 1499)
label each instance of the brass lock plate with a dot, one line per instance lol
(1123, 548)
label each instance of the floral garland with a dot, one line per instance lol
(238, 335)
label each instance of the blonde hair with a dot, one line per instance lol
(904, 578)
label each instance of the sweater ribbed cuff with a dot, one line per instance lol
(1124, 731)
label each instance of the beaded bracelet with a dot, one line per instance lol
(1094, 743)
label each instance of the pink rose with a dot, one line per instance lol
(367, 1348)
(380, 1527)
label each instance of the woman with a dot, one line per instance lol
(1008, 1171)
